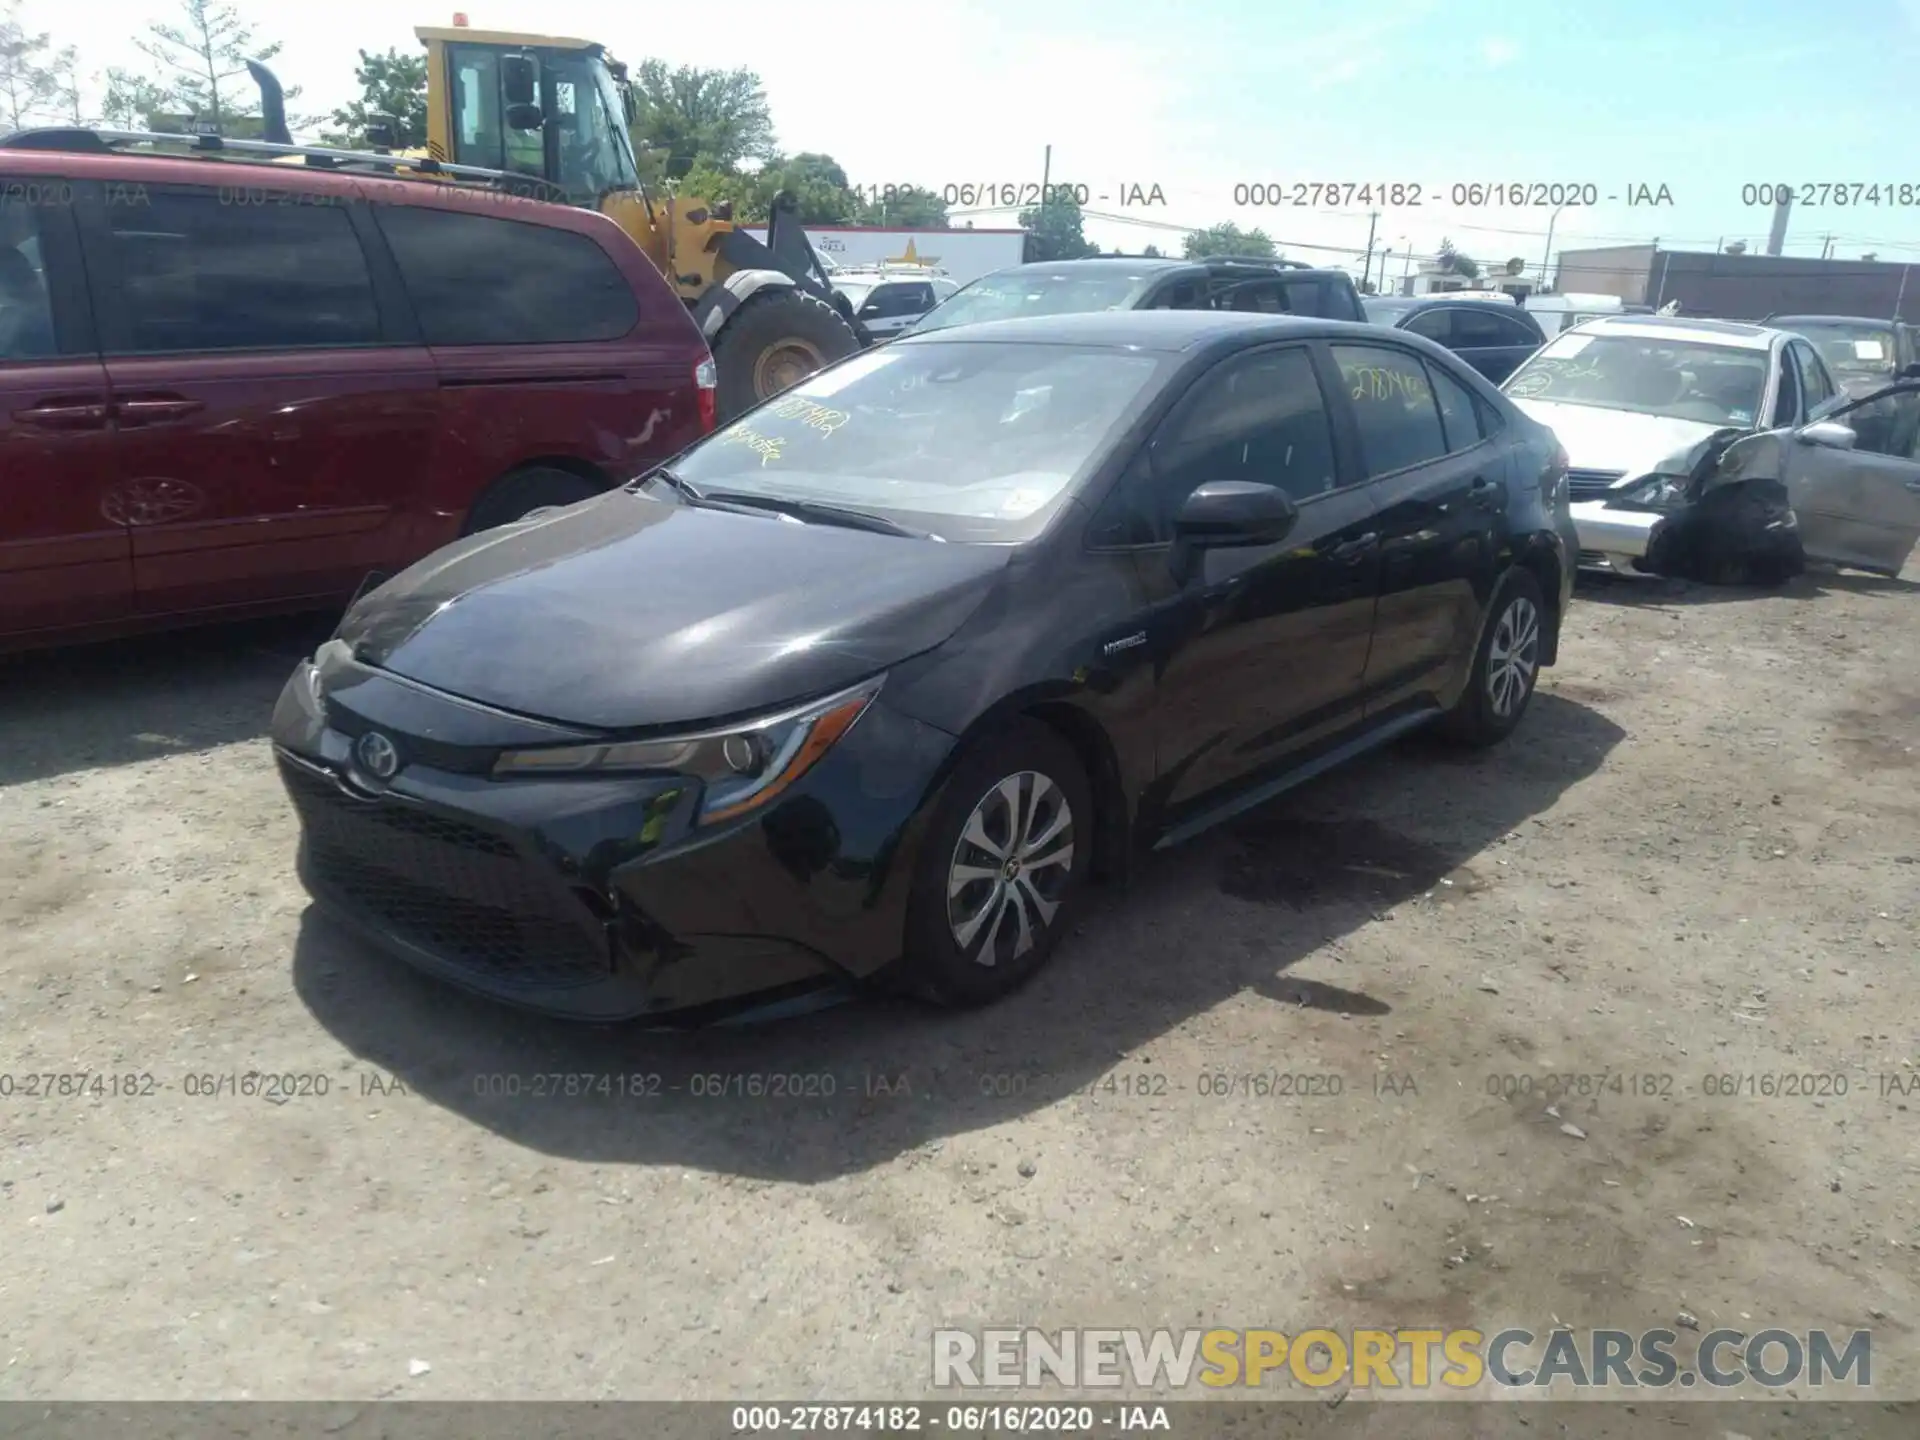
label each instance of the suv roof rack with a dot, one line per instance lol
(1255, 262)
(320, 157)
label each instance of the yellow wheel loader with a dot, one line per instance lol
(556, 111)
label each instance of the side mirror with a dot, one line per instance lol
(520, 79)
(1910, 371)
(525, 117)
(1828, 434)
(1225, 513)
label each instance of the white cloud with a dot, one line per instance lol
(1499, 51)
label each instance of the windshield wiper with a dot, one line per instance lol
(683, 488)
(822, 514)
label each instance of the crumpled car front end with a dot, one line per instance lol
(1717, 512)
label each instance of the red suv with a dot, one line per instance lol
(229, 388)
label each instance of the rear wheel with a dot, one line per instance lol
(516, 496)
(1004, 862)
(1505, 666)
(772, 343)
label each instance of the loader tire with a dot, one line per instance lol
(773, 342)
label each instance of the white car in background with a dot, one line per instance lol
(1631, 398)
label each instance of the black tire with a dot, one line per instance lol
(775, 320)
(937, 965)
(1491, 707)
(514, 497)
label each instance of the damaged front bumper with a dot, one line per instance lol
(1612, 539)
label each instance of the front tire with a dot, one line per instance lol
(1506, 666)
(774, 341)
(1004, 864)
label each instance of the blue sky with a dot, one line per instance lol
(1702, 96)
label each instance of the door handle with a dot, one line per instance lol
(1352, 550)
(142, 412)
(64, 417)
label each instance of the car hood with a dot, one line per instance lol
(1623, 440)
(627, 612)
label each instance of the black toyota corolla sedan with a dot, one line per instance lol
(871, 683)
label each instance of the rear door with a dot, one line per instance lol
(1437, 477)
(65, 558)
(274, 424)
(1861, 506)
(545, 347)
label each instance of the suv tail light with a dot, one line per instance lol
(705, 378)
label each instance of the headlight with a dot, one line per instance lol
(1656, 492)
(741, 767)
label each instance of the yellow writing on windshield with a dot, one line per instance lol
(1374, 382)
(814, 417)
(767, 447)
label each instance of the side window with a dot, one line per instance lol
(1459, 414)
(1394, 406)
(1262, 297)
(1486, 328)
(1786, 405)
(1314, 297)
(26, 310)
(1436, 324)
(198, 272)
(1815, 383)
(1187, 295)
(916, 299)
(477, 280)
(1513, 330)
(1259, 417)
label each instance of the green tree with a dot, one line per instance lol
(1229, 239)
(27, 81)
(714, 185)
(1152, 251)
(132, 100)
(65, 70)
(908, 208)
(201, 57)
(691, 115)
(1055, 232)
(1454, 262)
(393, 84)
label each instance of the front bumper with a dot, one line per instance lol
(596, 897)
(1612, 539)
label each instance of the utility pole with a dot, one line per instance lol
(1046, 175)
(1366, 273)
(1826, 246)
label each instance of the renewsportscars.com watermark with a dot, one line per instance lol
(1437, 1362)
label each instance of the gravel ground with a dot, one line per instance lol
(1696, 860)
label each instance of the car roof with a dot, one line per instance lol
(140, 168)
(1162, 330)
(1733, 334)
(1427, 302)
(1104, 262)
(1787, 322)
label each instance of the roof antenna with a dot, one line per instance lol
(273, 104)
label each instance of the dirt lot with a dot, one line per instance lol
(1696, 860)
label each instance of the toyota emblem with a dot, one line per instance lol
(376, 755)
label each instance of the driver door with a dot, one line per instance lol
(1860, 507)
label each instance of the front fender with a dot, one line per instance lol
(716, 307)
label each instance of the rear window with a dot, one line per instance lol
(479, 280)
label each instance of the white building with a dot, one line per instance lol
(960, 255)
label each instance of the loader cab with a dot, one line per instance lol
(552, 109)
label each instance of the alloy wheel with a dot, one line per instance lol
(1514, 657)
(1010, 868)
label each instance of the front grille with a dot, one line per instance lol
(451, 888)
(1591, 484)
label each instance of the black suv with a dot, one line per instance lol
(1493, 336)
(1150, 282)
(874, 680)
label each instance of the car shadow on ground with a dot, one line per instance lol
(91, 706)
(1653, 591)
(877, 1077)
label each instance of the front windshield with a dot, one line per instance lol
(856, 291)
(595, 153)
(970, 441)
(1011, 294)
(1855, 349)
(1716, 385)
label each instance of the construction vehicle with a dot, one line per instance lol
(546, 117)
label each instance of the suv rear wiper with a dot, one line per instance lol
(822, 514)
